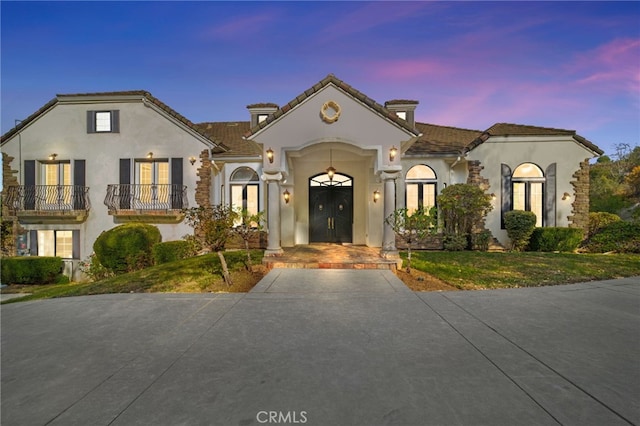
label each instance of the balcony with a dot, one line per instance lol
(48, 203)
(147, 203)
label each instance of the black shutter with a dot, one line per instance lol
(33, 243)
(115, 121)
(79, 171)
(29, 184)
(176, 183)
(125, 180)
(550, 196)
(506, 194)
(91, 121)
(75, 238)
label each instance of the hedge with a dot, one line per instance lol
(555, 239)
(127, 247)
(171, 251)
(622, 237)
(32, 270)
(598, 220)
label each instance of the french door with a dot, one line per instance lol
(331, 209)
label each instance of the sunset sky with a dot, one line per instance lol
(570, 65)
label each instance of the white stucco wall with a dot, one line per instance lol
(63, 130)
(542, 151)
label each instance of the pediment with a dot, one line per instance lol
(331, 112)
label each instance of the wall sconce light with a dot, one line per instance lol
(270, 155)
(53, 156)
(493, 196)
(376, 196)
(566, 196)
(392, 153)
(150, 154)
(192, 160)
(286, 195)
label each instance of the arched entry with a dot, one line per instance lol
(330, 208)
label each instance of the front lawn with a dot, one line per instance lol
(200, 274)
(475, 270)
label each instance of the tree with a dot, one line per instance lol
(412, 227)
(212, 228)
(250, 224)
(463, 208)
(613, 187)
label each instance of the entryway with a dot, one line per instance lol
(331, 208)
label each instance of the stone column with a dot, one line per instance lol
(389, 250)
(273, 178)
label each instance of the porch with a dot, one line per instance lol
(330, 256)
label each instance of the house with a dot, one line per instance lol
(329, 166)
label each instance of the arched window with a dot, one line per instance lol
(528, 181)
(245, 186)
(420, 188)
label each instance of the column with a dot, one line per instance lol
(389, 250)
(273, 213)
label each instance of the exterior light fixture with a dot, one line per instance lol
(331, 171)
(286, 195)
(566, 196)
(392, 153)
(52, 156)
(270, 155)
(150, 154)
(376, 196)
(493, 195)
(192, 160)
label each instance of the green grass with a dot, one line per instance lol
(194, 275)
(471, 270)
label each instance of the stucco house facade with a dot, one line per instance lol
(328, 166)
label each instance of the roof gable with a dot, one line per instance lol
(342, 86)
(141, 95)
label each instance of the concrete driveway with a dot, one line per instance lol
(327, 347)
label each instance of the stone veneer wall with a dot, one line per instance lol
(9, 179)
(475, 178)
(475, 175)
(203, 186)
(580, 205)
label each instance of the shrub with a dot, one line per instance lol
(623, 237)
(555, 239)
(455, 242)
(597, 220)
(171, 251)
(519, 224)
(463, 208)
(32, 270)
(481, 240)
(127, 247)
(94, 269)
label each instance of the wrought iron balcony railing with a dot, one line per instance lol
(47, 198)
(146, 197)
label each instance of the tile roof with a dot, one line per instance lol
(441, 140)
(451, 140)
(229, 135)
(332, 79)
(143, 94)
(509, 129)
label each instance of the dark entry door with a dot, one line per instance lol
(330, 214)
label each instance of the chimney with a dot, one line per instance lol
(404, 109)
(260, 112)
